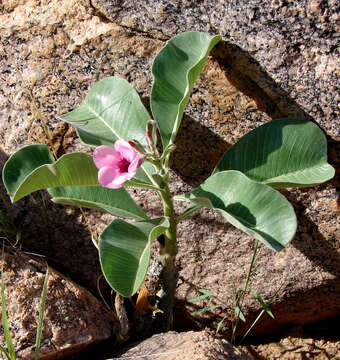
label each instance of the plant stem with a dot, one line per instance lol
(240, 298)
(167, 258)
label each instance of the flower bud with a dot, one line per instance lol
(137, 146)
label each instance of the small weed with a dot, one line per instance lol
(239, 295)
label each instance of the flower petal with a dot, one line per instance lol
(134, 165)
(106, 177)
(106, 156)
(125, 149)
(120, 180)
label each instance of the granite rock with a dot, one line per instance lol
(294, 42)
(184, 346)
(316, 341)
(73, 319)
(55, 53)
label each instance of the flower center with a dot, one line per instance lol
(124, 165)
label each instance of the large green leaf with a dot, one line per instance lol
(117, 202)
(124, 252)
(175, 70)
(255, 208)
(33, 168)
(21, 164)
(112, 110)
(281, 153)
(71, 180)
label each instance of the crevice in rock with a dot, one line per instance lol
(106, 19)
(97, 12)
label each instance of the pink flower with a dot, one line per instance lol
(116, 164)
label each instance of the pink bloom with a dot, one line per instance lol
(116, 164)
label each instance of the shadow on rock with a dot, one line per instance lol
(247, 75)
(198, 150)
(310, 241)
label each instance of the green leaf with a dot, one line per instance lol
(175, 70)
(124, 252)
(22, 163)
(281, 153)
(71, 180)
(239, 313)
(117, 202)
(208, 308)
(255, 208)
(206, 293)
(33, 168)
(220, 324)
(144, 173)
(263, 304)
(112, 110)
(198, 298)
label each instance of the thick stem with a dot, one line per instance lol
(167, 258)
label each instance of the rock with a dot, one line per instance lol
(294, 43)
(184, 346)
(73, 319)
(316, 341)
(275, 60)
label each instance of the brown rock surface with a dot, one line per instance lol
(58, 50)
(316, 341)
(294, 42)
(184, 346)
(294, 347)
(73, 318)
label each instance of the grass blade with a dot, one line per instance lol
(198, 298)
(3, 350)
(41, 317)
(4, 314)
(239, 313)
(259, 316)
(252, 325)
(219, 325)
(263, 304)
(206, 293)
(208, 308)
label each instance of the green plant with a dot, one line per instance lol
(239, 295)
(10, 352)
(113, 120)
